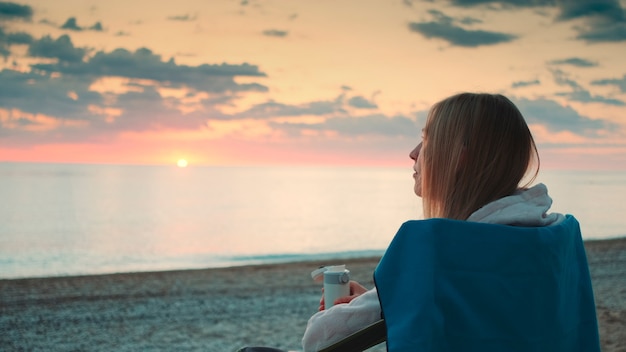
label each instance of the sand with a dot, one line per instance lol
(220, 309)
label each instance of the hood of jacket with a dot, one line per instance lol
(526, 207)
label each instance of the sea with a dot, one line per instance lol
(76, 219)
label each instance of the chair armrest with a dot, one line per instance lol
(361, 340)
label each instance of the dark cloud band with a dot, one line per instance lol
(11, 10)
(444, 27)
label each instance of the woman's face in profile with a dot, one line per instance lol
(416, 155)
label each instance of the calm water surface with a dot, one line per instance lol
(85, 219)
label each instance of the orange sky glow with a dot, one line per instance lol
(283, 82)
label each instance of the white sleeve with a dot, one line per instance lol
(329, 326)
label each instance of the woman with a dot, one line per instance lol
(476, 150)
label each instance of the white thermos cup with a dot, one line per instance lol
(336, 284)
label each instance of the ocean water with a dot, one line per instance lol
(63, 219)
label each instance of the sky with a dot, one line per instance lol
(283, 82)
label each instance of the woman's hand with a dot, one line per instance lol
(356, 290)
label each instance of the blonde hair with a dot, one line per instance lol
(477, 148)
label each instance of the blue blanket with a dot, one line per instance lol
(447, 285)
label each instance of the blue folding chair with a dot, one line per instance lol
(447, 285)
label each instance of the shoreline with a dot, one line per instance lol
(222, 309)
(231, 262)
(257, 260)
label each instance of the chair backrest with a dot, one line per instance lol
(447, 285)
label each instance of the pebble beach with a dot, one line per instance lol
(221, 309)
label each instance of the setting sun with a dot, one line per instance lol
(182, 163)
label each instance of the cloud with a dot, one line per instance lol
(74, 66)
(579, 93)
(558, 118)
(373, 125)
(584, 96)
(333, 117)
(574, 61)
(603, 32)
(272, 108)
(38, 93)
(275, 33)
(56, 101)
(68, 100)
(15, 38)
(605, 20)
(143, 64)
(19, 38)
(148, 110)
(96, 27)
(443, 27)
(71, 24)
(619, 82)
(561, 78)
(11, 10)
(143, 111)
(469, 20)
(182, 18)
(519, 3)
(361, 103)
(48, 22)
(61, 49)
(609, 9)
(352, 126)
(521, 84)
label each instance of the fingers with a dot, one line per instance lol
(356, 288)
(345, 299)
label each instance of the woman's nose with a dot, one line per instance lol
(415, 152)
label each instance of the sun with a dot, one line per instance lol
(181, 163)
